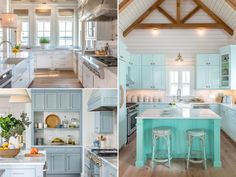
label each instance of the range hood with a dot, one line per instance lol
(98, 10)
(103, 100)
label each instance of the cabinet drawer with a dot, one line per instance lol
(55, 150)
(73, 150)
(21, 173)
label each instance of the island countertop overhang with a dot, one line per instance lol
(178, 113)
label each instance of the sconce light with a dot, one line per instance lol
(179, 58)
(8, 20)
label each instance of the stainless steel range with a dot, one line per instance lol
(132, 112)
(94, 163)
(96, 64)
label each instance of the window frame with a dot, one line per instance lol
(42, 19)
(65, 19)
(25, 19)
(180, 83)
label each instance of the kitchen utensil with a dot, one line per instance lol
(40, 125)
(52, 121)
(9, 153)
(74, 123)
(134, 99)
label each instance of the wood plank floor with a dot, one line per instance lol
(55, 79)
(228, 157)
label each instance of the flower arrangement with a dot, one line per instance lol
(16, 48)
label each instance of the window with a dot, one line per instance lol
(180, 80)
(43, 29)
(91, 27)
(65, 33)
(24, 34)
(66, 17)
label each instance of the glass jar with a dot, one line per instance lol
(70, 140)
(74, 123)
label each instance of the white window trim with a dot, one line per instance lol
(180, 68)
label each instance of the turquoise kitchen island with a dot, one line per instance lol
(179, 120)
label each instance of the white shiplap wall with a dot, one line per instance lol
(170, 42)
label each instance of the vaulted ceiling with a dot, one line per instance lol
(131, 10)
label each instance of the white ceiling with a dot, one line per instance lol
(137, 7)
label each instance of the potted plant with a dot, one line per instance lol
(44, 42)
(10, 130)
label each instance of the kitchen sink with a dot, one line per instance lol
(13, 61)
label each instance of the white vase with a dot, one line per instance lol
(14, 141)
(102, 144)
(44, 46)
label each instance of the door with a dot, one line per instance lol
(147, 77)
(122, 106)
(38, 100)
(158, 77)
(58, 163)
(202, 77)
(64, 100)
(135, 76)
(73, 163)
(147, 60)
(214, 77)
(76, 98)
(50, 100)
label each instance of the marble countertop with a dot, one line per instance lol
(113, 70)
(5, 55)
(22, 160)
(5, 68)
(178, 113)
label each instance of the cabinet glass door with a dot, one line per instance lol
(225, 70)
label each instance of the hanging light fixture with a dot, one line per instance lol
(8, 20)
(179, 58)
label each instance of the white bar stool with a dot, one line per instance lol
(157, 133)
(201, 134)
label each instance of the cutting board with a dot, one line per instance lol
(34, 155)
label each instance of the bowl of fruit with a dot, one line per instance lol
(8, 151)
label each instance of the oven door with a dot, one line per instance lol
(131, 124)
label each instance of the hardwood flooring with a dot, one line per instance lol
(228, 157)
(55, 79)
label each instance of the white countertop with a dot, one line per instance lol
(5, 55)
(20, 159)
(5, 68)
(178, 113)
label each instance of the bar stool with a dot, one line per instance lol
(201, 134)
(158, 133)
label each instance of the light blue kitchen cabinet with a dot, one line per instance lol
(51, 100)
(158, 74)
(227, 67)
(208, 60)
(207, 71)
(135, 59)
(104, 122)
(215, 108)
(73, 163)
(49, 163)
(147, 60)
(134, 77)
(147, 77)
(63, 100)
(76, 98)
(153, 77)
(122, 104)
(37, 99)
(58, 163)
(150, 60)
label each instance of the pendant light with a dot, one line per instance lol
(8, 20)
(179, 58)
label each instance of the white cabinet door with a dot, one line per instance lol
(62, 60)
(80, 70)
(88, 78)
(44, 61)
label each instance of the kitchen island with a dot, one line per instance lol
(179, 120)
(22, 166)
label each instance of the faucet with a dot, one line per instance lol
(1, 43)
(179, 95)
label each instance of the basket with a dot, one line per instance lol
(9, 153)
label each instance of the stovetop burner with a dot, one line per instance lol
(107, 60)
(105, 152)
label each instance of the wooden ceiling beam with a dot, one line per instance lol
(178, 10)
(124, 4)
(142, 17)
(232, 3)
(188, 16)
(215, 17)
(166, 14)
(179, 26)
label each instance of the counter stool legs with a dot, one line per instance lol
(201, 135)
